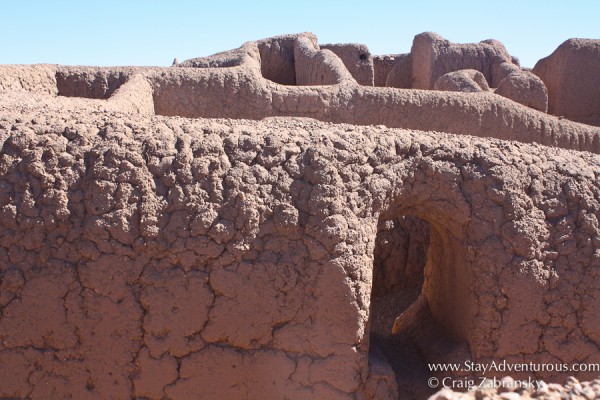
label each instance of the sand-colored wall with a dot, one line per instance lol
(572, 75)
(172, 245)
(28, 78)
(91, 83)
(316, 67)
(152, 256)
(357, 59)
(329, 93)
(381, 67)
(433, 56)
(241, 93)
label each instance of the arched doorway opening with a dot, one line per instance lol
(416, 300)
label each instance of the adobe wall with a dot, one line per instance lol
(381, 67)
(91, 83)
(400, 75)
(241, 90)
(170, 245)
(433, 56)
(146, 252)
(572, 75)
(276, 56)
(209, 92)
(28, 78)
(316, 67)
(357, 59)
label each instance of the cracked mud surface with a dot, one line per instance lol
(155, 257)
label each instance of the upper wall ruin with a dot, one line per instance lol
(291, 76)
(572, 75)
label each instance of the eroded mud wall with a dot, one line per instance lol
(28, 78)
(242, 92)
(137, 253)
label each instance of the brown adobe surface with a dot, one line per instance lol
(156, 256)
(572, 75)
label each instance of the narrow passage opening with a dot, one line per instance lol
(410, 258)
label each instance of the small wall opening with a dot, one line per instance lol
(90, 85)
(409, 254)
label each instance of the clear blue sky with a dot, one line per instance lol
(136, 32)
